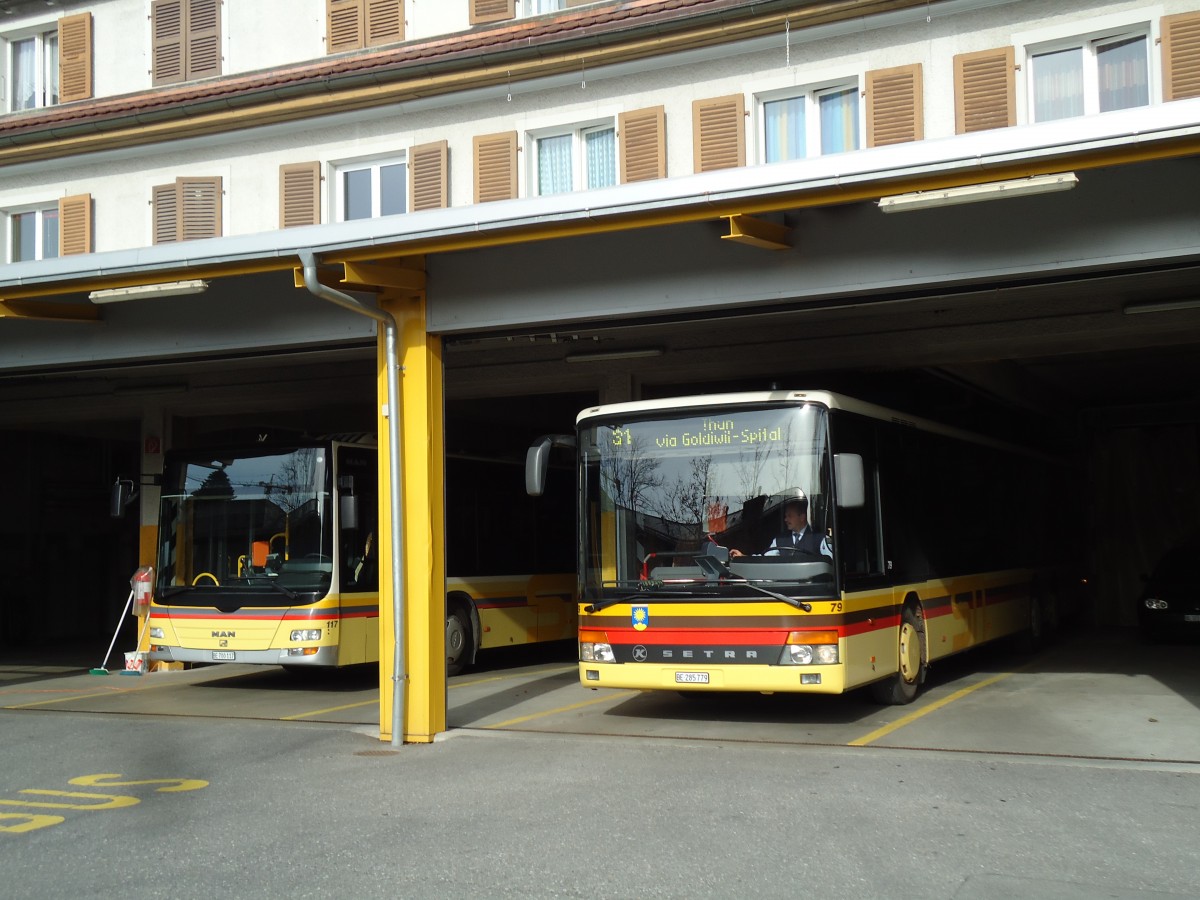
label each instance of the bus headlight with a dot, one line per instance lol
(156, 632)
(1155, 603)
(594, 647)
(808, 648)
(307, 634)
(590, 651)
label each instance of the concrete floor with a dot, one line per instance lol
(1104, 695)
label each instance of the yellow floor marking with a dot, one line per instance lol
(460, 684)
(554, 671)
(924, 711)
(111, 692)
(317, 712)
(551, 712)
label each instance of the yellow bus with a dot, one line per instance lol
(917, 541)
(268, 554)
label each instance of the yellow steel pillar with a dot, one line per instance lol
(424, 567)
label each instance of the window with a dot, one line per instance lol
(1084, 77)
(187, 39)
(33, 74)
(355, 24)
(367, 190)
(537, 7)
(583, 158)
(187, 210)
(814, 123)
(33, 234)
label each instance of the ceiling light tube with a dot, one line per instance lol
(975, 193)
(167, 289)
(613, 354)
(1162, 306)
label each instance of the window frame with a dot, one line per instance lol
(45, 70)
(1089, 43)
(40, 211)
(811, 93)
(374, 164)
(578, 133)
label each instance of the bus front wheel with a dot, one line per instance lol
(902, 687)
(458, 640)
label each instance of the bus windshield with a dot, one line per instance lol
(660, 493)
(250, 529)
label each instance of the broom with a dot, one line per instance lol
(103, 669)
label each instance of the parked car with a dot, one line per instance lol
(1170, 603)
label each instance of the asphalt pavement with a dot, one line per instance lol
(149, 806)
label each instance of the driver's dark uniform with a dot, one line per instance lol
(807, 541)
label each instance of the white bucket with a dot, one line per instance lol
(135, 662)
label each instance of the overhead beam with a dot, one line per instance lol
(757, 233)
(48, 312)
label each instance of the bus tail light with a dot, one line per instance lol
(594, 647)
(810, 648)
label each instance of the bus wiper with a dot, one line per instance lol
(287, 592)
(175, 589)
(791, 601)
(716, 570)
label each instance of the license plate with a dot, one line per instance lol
(224, 655)
(691, 678)
(1191, 618)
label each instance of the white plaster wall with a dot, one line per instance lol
(120, 182)
(281, 32)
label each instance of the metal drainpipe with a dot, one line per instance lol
(399, 677)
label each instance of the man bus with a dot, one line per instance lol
(268, 554)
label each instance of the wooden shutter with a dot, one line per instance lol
(75, 58)
(985, 90)
(75, 225)
(492, 11)
(384, 22)
(345, 25)
(429, 176)
(643, 150)
(165, 213)
(895, 113)
(719, 133)
(1181, 56)
(199, 208)
(300, 194)
(167, 41)
(495, 166)
(203, 42)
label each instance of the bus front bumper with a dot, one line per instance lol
(762, 679)
(325, 656)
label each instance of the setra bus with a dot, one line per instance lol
(925, 541)
(268, 554)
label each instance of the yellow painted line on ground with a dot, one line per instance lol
(556, 671)
(562, 709)
(318, 712)
(925, 710)
(111, 692)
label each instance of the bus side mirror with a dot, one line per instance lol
(347, 503)
(122, 495)
(537, 460)
(848, 477)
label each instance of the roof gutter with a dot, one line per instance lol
(387, 321)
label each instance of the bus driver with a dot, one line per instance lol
(798, 537)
